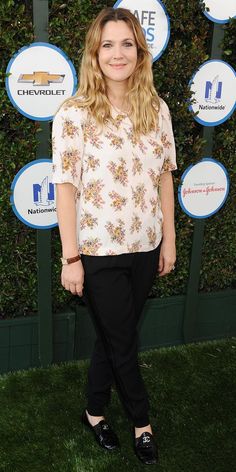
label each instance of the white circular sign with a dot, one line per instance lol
(214, 87)
(204, 188)
(220, 11)
(33, 196)
(154, 20)
(41, 77)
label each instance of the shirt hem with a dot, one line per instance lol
(110, 252)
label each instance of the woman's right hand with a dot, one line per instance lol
(72, 278)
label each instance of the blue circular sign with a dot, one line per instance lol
(155, 22)
(219, 11)
(204, 188)
(40, 78)
(214, 92)
(33, 196)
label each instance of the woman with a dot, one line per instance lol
(113, 153)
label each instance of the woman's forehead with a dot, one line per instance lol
(116, 29)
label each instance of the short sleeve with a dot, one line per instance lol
(67, 147)
(167, 139)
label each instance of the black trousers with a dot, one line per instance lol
(115, 291)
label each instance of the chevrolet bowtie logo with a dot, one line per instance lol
(41, 78)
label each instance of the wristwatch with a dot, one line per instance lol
(70, 260)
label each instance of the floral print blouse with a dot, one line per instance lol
(116, 177)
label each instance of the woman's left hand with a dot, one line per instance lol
(167, 256)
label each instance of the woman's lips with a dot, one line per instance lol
(117, 66)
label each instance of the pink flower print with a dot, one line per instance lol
(77, 194)
(69, 129)
(90, 133)
(138, 196)
(92, 163)
(68, 105)
(168, 165)
(90, 246)
(137, 166)
(110, 253)
(115, 141)
(119, 171)
(151, 236)
(135, 247)
(157, 148)
(131, 136)
(117, 232)
(117, 120)
(118, 201)
(53, 144)
(92, 192)
(136, 224)
(69, 159)
(165, 141)
(88, 221)
(154, 202)
(155, 177)
(136, 141)
(142, 146)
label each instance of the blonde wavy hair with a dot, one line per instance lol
(92, 94)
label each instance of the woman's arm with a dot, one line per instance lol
(72, 275)
(168, 251)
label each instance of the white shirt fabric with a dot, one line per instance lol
(116, 177)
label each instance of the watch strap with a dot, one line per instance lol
(70, 260)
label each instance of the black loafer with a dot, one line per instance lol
(104, 434)
(145, 448)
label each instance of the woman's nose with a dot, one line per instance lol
(117, 52)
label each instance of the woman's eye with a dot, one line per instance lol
(126, 44)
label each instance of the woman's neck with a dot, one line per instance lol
(117, 95)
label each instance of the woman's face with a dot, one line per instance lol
(117, 54)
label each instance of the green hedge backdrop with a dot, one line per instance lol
(188, 48)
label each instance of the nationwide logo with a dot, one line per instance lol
(213, 86)
(213, 95)
(41, 78)
(213, 90)
(33, 195)
(43, 196)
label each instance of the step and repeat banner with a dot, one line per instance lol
(220, 11)
(154, 20)
(213, 86)
(33, 195)
(204, 188)
(41, 76)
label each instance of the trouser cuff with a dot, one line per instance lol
(94, 412)
(142, 422)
